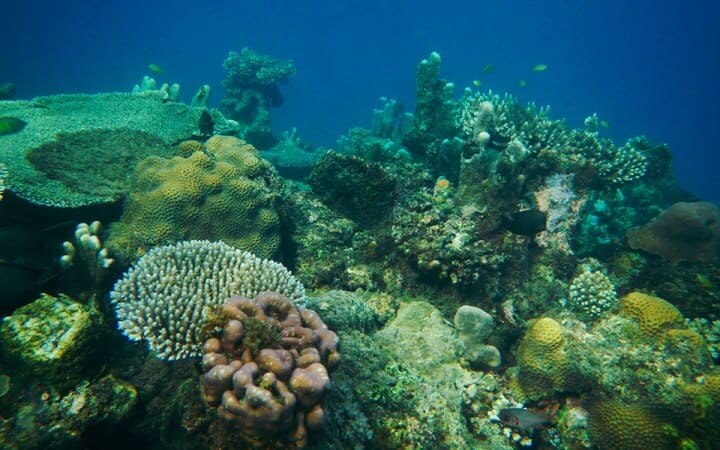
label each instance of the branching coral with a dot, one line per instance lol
(164, 297)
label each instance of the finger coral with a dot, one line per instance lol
(164, 298)
(274, 395)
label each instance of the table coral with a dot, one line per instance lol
(224, 192)
(274, 394)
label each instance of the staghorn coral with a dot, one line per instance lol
(224, 192)
(164, 297)
(655, 315)
(543, 365)
(273, 395)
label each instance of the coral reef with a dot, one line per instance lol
(654, 314)
(3, 175)
(164, 297)
(272, 392)
(223, 191)
(252, 88)
(360, 190)
(73, 171)
(684, 231)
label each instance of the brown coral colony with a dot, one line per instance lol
(274, 391)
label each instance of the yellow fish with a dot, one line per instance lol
(704, 281)
(489, 68)
(522, 83)
(604, 124)
(539, 68)
(155, 68)
(477, 83)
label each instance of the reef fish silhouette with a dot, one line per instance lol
(527, 223)
(523, 419)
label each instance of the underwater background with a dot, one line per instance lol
(359, 225)
(645, 67)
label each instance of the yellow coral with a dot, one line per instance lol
(655, 315)
(614, 425)
(543, 365)
(187, 148)
(217, 196)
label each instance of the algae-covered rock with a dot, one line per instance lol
(53, 174)
(51, 337)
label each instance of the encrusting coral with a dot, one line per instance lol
(164, 297)
(272, 392)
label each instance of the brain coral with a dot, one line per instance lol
(164, 298)
(224, 192)
(655, 315)
(618, 426)
(543, 365)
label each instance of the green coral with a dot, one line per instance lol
(223, 193)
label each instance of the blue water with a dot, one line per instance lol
(647, 67)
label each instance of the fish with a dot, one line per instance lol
(205, 123)
(524, 419)
(539, 68)
(11, 125)
(155, 68)
(704, 281)
(605, 124)
(527, 223)
(477, 83)
(522, 83)
(488, 68)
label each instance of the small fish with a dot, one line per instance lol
(522, 83)
(523, 419)
(155, 68)
(477, 83)
(527, 223)
(605, 124)
(539, 68)
(704, 281)
(205, 123)
(10, 125)
(488, 68)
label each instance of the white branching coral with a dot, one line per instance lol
(624, 164)
(165, 296)
(592, 294)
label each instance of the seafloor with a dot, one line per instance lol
(471, 275)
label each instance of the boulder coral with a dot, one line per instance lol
(655, 315)
(543, 365)
(225, 191)
(274, 394)
(685, 231)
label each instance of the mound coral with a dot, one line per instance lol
(655, 315)
(685, 231)
(543, 365)
(225, 192)
(274, 392)
(164, 297)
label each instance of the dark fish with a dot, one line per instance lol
(10, 125)
(523, 419)
(205, 123)
(527, 223)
